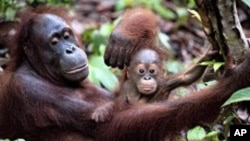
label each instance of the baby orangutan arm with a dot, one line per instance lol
(192, 74)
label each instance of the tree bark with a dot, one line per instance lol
(222, 27)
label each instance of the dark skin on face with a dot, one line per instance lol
(64, 57)
(144, 74)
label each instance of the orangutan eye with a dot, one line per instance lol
(141, 71)
(54, 41)
(66, 35)
(151, 71)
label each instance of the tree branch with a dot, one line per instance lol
(222, 27)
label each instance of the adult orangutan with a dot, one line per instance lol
(44, 93)
(43, 89)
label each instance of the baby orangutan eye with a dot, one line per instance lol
(66, 35)
(141, 71)
(151, 71)
(54, 41)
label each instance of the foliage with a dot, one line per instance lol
(101, 74)
(247, 2)
(8, 8)
(154, 5)
(216, 65)
(239, 96)
(179, 13)
(174, 66)
(97, 40)
(197, 133)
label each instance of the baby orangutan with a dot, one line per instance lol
(145, 78)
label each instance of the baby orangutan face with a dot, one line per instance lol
(145, 70)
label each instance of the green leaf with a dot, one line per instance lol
(191, 4)
(164, 39)
(174, 66)
(247, 2)
(102, 49)
(238, 96)
(216, 65)
(213, 135)
(87, 35)
(182, 15)
(106, 29)
(10, 14)
(122, 4)
(204, 85)
(182, 91)
(147, 3)
(197, 133)
(2, 5)
(207, 63)
(166, 13)
(119, 5)
(101, 74)
(228, 119)
(97, 40)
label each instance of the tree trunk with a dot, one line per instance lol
(222, 28)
